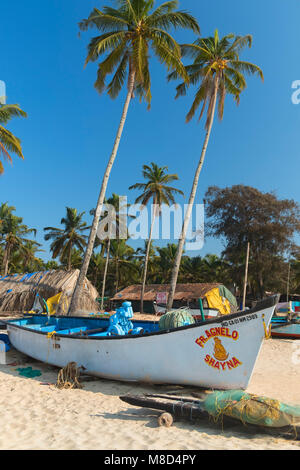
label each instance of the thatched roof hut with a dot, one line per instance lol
(185, 295)
(18, 291)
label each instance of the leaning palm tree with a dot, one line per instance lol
(8, 142)
(218, 70)
(69, 237)
(126, 35)
(157, 190)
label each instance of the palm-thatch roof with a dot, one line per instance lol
(183, 291)
(18, 291)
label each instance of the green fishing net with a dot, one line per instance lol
(252, 409)
(28, 372)
(176, 319)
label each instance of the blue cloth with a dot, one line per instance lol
(6, 342)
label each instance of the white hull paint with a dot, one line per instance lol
(186, 355)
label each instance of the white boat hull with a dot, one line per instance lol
(191, 355)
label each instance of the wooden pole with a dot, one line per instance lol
(246, 276)
(288, 283)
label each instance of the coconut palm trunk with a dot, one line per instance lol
(117, 274)
(6, 256)
(70, 258)
(187, 217)
(147, 257)
(105, 273)
(89, 249)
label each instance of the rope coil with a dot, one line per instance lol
(68, 376)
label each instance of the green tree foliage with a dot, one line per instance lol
(158, 190)
(67, 238)
(122, 261)
(242, 214)
(8, 142)
(13, 237)
(111, 225)
(127, 35)
(216, 70)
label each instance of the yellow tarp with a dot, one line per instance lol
(52, 303)
(215, 300)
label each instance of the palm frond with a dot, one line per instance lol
(118, 80)
(178, 19)
(106, 42)
(10, 143)
(247, 67)
(8, 111)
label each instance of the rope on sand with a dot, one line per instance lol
(68, 376)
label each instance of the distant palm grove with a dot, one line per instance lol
(128, 34)
(115, 264)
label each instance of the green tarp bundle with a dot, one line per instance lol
(252, 409)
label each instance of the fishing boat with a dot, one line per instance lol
(219, 353)
(283, 328)
(286, 321)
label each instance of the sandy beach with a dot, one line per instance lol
(36, 415)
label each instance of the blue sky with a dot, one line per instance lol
(70, 129)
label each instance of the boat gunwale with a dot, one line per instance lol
(261, 305)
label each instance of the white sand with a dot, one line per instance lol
(36, 416)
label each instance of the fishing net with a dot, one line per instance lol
(176, 319)
(252, 409)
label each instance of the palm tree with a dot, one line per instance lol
(126, 35)
(122, 258)
(71, 236)
(167, 256)
(140, 254)
(219, 70)
(73, 261)
(96, 267)
(13, 237)
(24, 259)
(8, 142)
(5, 211)
(158, 190)
(192, 269)
(113, 227)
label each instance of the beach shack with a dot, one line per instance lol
(20, 292)
(213, 296)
